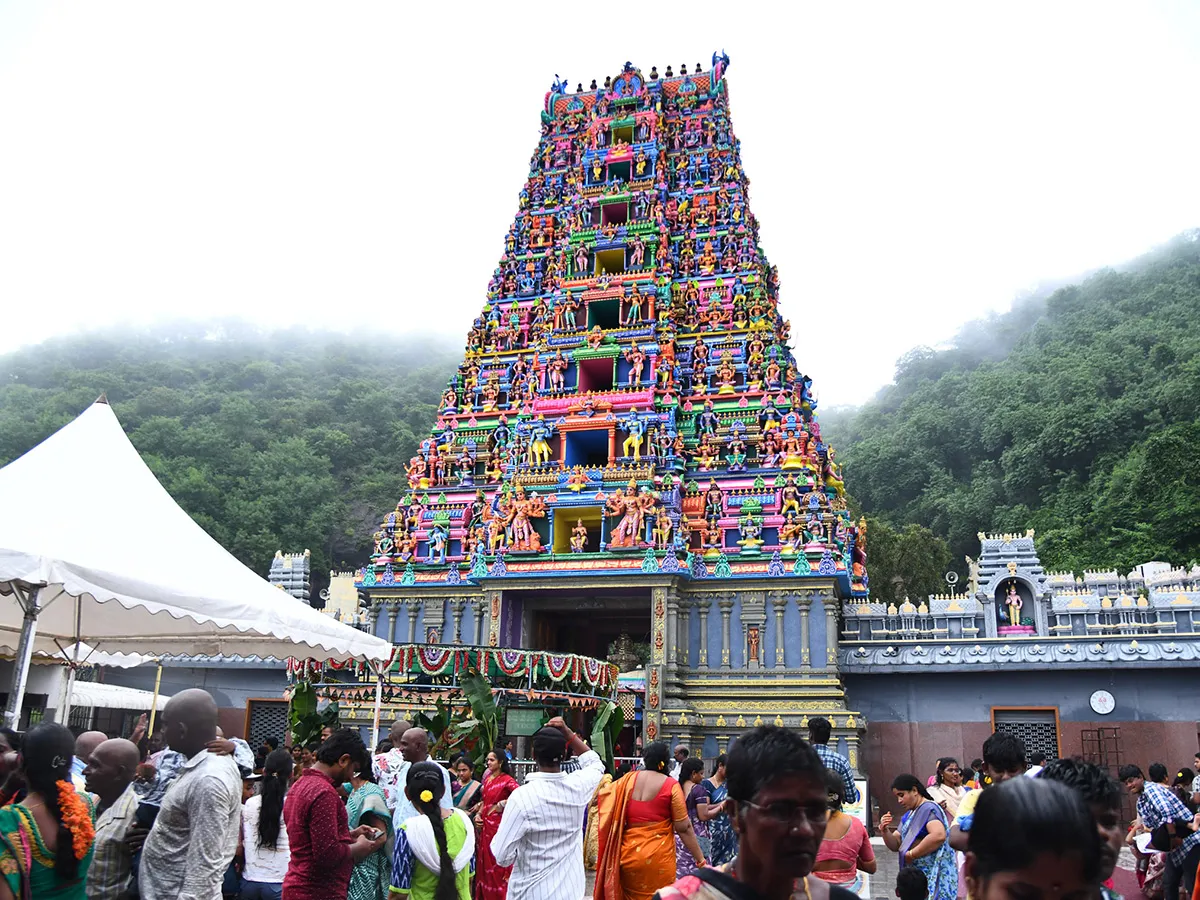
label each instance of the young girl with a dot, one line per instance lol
(1034, 839)
(435, 850)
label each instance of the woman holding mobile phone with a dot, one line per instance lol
(367, 805)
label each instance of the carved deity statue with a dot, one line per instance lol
(1013, 603)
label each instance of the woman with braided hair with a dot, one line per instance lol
(435, 849)
(46, 840)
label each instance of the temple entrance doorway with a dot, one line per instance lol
(587, 622)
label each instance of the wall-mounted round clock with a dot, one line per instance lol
(1103, 702)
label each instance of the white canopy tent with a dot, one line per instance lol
(93, 548)
(96, 695)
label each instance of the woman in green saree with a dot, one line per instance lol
(366, 806)
(46, 840)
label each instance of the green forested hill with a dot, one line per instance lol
(1075, 414)
(286, 441)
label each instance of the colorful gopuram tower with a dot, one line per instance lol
(629, 447)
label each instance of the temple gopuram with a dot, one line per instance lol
(629, 452)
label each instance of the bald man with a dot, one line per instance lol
(195, 833)
(84, 745)
(109, 774)
(387, 766)
(414, 747)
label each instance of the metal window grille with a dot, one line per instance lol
(1038, 728)
(268, 719)
(1102, 746)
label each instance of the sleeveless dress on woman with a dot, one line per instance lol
(27, 864)
(852, 846)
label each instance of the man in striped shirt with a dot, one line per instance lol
(1157, 807)
(541, 834)
(819, 731)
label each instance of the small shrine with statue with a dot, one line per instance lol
(629, 444)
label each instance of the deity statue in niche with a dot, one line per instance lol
(579, 537)
(714, 501)
(752, 644)
(750, 541)
(713, 539)
(1013, 604)
(635, 425)
(791, 532)
(636, 358)
(439, 539)
(558, 372)
(662, 531)
(726, 374)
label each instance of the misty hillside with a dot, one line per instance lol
(1075, 414)
(284, 441)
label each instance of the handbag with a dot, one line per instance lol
(1160, 838)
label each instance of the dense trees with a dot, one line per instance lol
(287, 441)
(1075, 414)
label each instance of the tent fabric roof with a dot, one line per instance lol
(90, 656)
(113, 696)
(85, 519)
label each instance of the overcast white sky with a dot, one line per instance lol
(913, 165)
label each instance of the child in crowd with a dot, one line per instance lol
(1032, 837)
(911, 884)
(435, 851)
(1102, 793)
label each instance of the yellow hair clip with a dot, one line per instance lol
(426, 796)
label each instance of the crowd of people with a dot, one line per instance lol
(202, 817)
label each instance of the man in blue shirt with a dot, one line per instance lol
(819, 730)
(1158, 806)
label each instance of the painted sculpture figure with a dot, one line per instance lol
(630, 368)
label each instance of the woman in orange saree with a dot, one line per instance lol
(639, 817)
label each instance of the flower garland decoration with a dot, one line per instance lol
(77, 817)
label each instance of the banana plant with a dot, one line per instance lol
(304, 720)
(610, 719)
(481, 731)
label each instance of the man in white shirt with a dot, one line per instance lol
(414, 747)
(387, 765)
(541, 833)
(1037, 762)
(681, 753)
(195, 834)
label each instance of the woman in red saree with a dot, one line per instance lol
(491, 880)
(639, 817)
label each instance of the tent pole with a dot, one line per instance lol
(154, 702)
(378, 704)
(65, 711)
(16, 695)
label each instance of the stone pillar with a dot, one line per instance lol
(391, 614)
(414, 607)
(779, 600)
(704, 602)
(830, 602)
(477, 610)
(726, 605)
(494, 601)
(686, 605)
(672, 628)
(456, 611)
(804, 603)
